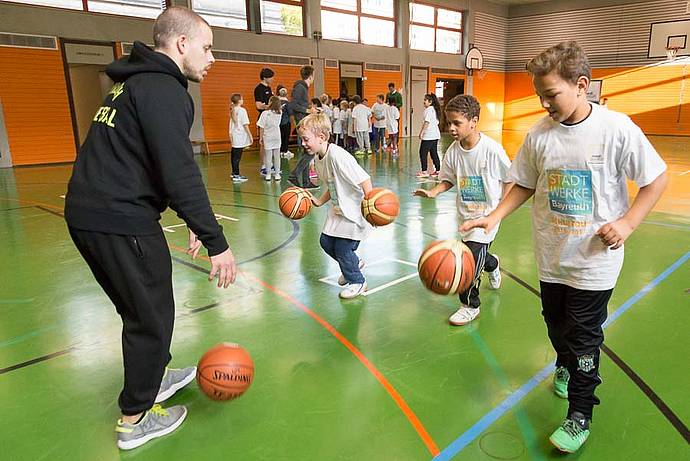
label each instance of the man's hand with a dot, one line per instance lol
(613, 234)
(423, 193)
(224, 265)
(194, 245)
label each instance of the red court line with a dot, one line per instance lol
(397, 398)
(404, 407)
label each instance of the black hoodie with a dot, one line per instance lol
(137, 158)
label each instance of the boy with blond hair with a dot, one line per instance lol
(575, 162)
(347, 182)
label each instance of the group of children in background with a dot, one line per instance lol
(355, 126)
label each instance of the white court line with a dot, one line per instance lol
(331, 279)
(169, 228)
(389, 284)
(684, 173)
(220, 216)
(61, 196)
(217, 216)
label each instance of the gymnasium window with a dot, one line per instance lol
(435, 29)
(136, 8)
(282, 17)
(370, 22)
(223, 13)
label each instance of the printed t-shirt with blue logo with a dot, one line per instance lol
(579, 176)
(478, 174)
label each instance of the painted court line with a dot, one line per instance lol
(331, 279)
(513, 399)
(392, 392)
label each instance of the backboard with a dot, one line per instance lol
(671, 34)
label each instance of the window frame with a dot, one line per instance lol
(359, 15)
(84, 9)
(436, 27)
(246, 10)
(300, 3)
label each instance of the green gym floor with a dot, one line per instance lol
(381, 377)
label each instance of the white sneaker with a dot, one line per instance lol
(289, 155)
(276, 177)
(495, 276)
(267, 177)
(464, 315)
(341, 279)
(352, 290)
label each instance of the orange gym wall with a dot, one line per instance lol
(37, 114)
(332, 82)
(653, 97)
(377, 83)
(489, 89)
(227, 78)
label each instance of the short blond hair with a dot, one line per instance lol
(568, 59)
(316, 124)
(173, 22)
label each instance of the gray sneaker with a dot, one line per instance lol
(174, 379)
(157, 422)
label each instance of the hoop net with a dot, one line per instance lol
(671, 52)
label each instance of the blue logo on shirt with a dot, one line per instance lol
(471, 189)
(570, 191)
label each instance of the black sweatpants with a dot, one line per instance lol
(482, 261)
(429, 147)
(235, 157)
(574, 320)
(284, 137)
(136, 274)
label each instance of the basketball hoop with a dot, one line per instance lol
(671, 52)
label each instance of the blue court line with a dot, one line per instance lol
(492, 416)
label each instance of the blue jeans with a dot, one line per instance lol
(379, 137)
(343, 251)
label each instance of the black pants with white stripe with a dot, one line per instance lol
(574, 320)
(135, 271)
(483, 261)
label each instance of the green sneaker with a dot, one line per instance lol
(157, 422)
(572, 434)
(560, 382)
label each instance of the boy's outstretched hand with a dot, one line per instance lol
(615, 233)
(487, 223)
(423, 193)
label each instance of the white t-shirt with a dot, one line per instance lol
(361, 114)
(431, 132)
(343, 175)
(579, 176)
(380, 111)
(478, 174)
(240, 138)
(392, 117)
(335, 121)
(270, 122)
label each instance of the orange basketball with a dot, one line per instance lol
(446, 267)
(380, 206)
(225, 371)
(295, 203)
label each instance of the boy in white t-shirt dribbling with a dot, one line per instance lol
(575, 162)
(347, 182)
(478, 166)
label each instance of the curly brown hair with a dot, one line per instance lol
(566, 58)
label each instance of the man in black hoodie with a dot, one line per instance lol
(136, 161)
(298, 106)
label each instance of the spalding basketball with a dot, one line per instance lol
(295, 203)
(446, 267)
(225, 371)
(380, 206)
